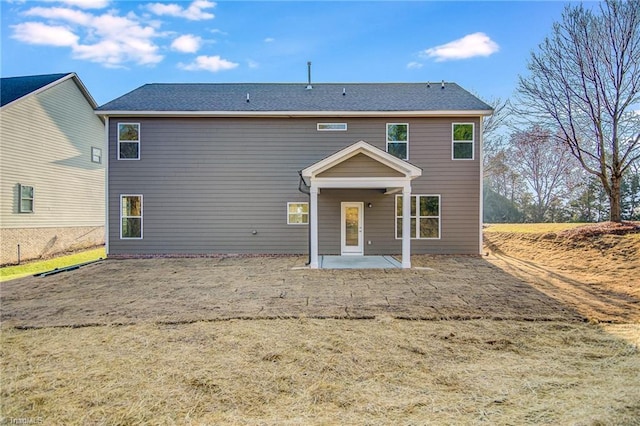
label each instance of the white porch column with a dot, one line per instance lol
(313, 223)
(406, 226)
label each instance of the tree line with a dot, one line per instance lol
(567, 147)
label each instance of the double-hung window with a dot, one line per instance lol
(25, 203)
(398, 140)
(131, 217)
(462, 141)
(425, 217)
(129, 141)
(297, 213)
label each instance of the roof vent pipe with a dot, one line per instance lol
(309, 86)
(247, 97)
(344, 91)
(443, 84)
(428, 85)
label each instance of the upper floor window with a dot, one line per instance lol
(332, 127)
(96, 155)
(129, 141)
(398, 140)
(463, 144)
(25, 203)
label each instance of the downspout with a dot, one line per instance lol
(304, 188)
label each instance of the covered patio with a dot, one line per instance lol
(361, 166)
(358, 262)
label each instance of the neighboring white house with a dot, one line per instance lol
(52, 171)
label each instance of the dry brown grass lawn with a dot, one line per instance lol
(558, 371)
(312, 371)
(581, 266)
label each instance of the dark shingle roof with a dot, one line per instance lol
(232, 97)
(12, 88)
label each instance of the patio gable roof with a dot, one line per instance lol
(390, 167)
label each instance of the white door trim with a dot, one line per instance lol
(352, 250)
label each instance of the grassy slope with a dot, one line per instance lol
(530, 228)
(606, 260)
(30, 268)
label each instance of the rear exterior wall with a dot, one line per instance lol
(221, 185)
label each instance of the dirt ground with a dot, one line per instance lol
(595, 274)
(542, 330)
(185, 290)
(523, 276)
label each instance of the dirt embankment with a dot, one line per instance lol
(600, 258)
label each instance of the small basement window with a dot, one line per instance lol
(25, 203)
(332, 127)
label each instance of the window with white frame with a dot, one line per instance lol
(129, 141)
(332, 127)
(398, 140)
(25, 195)
(462, 141)
(96, 155)
(297, 213)
(131, 217)
(425, 217)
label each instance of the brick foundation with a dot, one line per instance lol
(40, 243)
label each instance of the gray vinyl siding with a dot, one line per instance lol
(208, 183)
(46, 141)
(360, 165)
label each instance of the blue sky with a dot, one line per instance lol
(116, 46)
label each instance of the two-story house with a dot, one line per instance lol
(52, 175)
(325, 169)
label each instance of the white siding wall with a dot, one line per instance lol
(45, 142)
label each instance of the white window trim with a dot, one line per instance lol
(141, 217)
(295, 223)
(96, 153)
(20, 198)
(138, 141)
(472, 142)
(418, 217)
(386, 137)
(320, 129)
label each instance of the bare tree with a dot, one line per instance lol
(492, 136)
(544, 165)
(585, 80)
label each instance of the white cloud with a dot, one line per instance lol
(194, 12)
(110, 40)
(252, 64)
(269, 40)
(469, 46)
(209, 63)
(48, 35)
(62, 14)
(414, 65)
(83, 4)
(187, 43)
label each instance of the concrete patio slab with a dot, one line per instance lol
(359, 262)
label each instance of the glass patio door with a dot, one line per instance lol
(352, 232)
